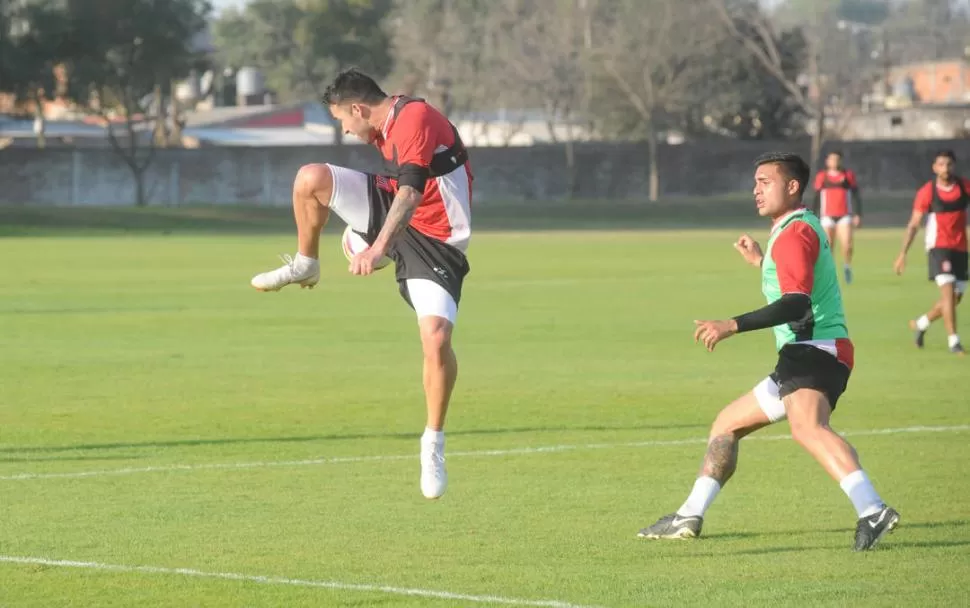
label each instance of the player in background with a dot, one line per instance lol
(943, 202)
(838, 205)
(815, 359)
(419, 216)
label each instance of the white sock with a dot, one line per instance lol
(923, 323)
(432, 436)
(953, 340)
(701, 497)
(847, 266)
(303, 262)
(861, 492)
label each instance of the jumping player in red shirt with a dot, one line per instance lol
(839, 205)
(943, 202)
(418, 214)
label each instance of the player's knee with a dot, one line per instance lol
(313, 180)
(436, 338)
(806, 433)
(725, 425)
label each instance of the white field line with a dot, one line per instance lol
(294, 582)
(525, 451)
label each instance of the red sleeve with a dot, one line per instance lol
(819, 180)
(795, 252)
(850, 176)
(414, 136)
(924, 197)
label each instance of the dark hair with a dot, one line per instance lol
(792, 166)
(352, 86)
(836, 152)
(946, 154)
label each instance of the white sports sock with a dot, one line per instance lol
(861, 492)
(701, 497)
(923, 323)
(302, 262)
(432, 436)
(953, 340)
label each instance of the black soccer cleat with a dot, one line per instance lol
(674, 526)
(918, 334)
(957, 349)
(870, 530)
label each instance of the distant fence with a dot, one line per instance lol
(604, 171)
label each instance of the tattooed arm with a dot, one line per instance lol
(405, 202)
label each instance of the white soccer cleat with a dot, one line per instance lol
(434, 477)
(306, 274)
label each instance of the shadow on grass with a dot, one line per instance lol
(314, 438)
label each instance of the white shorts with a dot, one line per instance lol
(350, 198)
(431, 300)
(829, 221)
(769, 400)
(960, 287)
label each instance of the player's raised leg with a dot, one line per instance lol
(844, 234)
(808, 412)
(750, 412)
(312, 191)
(436, 311)
(948, 305)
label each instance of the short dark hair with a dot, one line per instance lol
(792, 166)
(836, 152)
(947, 153)
(353, 86)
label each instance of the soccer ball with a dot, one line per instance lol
(352, 244)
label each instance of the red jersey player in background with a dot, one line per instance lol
(943, 202)
(839, 206)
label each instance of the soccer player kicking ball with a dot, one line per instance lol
(815, 359)
(420, 217)
(943, 202)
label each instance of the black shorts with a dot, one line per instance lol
(947, 261)
(416, 255)
(803, 366)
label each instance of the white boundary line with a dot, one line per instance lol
(478, 453)
(295, 582)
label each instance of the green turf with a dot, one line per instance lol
(152, 351)
(733, 210)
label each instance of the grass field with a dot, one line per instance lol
(168, 437)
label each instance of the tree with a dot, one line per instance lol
(830, 74)
(125, 52)
(450, 52)
(650, 64)
(31, 46)
(737, 97)
(300, 45)
(545, 48)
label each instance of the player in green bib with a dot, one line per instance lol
(815, 358)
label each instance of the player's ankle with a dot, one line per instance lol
(432, 435)
(952, 340)
(923, 323)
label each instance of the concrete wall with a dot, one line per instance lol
(265, 175)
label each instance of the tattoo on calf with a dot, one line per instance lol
(721, 458)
